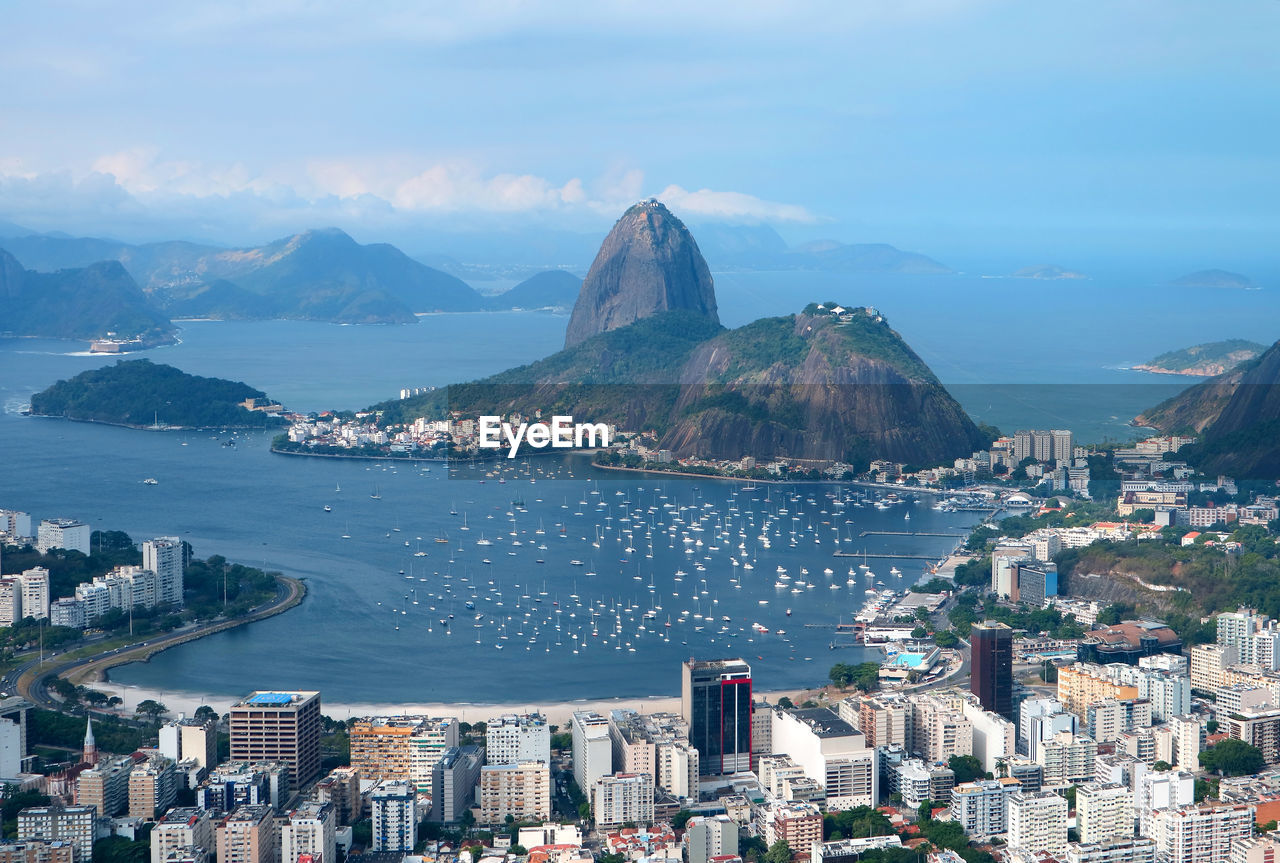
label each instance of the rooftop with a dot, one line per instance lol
(824, 722)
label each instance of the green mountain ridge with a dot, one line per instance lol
(1204, 360)
(808, 386)
(1236, 414)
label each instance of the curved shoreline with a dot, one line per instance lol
(32, 683)
(150, 428)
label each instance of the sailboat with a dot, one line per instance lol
(375, 494)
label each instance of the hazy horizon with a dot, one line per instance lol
(972, 131)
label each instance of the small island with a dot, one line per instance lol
(1215, 279)
(146, 395)
(1206, 360)
(1047, 273)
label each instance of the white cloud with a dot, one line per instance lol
(139, 183)
(733, 206)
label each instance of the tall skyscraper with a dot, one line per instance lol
(279, 726)
(716, 702)
(992, 674)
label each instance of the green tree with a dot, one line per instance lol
(1161, 766)
(946, 638)
(1232, 758)
(785, 703)
(967, 768)
(779, 852)
(919, 632)
(151, 708)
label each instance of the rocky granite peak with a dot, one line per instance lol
(648, 264)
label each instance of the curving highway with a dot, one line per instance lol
(31, 679)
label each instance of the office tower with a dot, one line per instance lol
(592, 749)
(992, 675)
(309, 831)
(164, 556)
(1038, 822)
(521, 791)
(716, 703)
(279, 726)
(64, 533)
(395, 821)
(512, 738)
(247, 836)
(179, 830)
(74, 824)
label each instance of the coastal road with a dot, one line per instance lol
(31, 680)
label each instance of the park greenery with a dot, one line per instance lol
(865, 676)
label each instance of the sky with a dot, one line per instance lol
(953, 127)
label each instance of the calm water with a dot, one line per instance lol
(249, 505)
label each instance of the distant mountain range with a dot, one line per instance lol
(1237, 415)
(645, 351)
(553, 289)
(77, 303)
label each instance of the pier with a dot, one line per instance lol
(933, 557)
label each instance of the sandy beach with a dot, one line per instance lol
(557, 713)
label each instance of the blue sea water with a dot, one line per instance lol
(1065, 346)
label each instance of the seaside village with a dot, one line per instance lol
(1113, 742)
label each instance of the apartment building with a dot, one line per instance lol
(180, 831)
(73, 824)
(1037, 822)
(521, 791)
(511, 738)
(247, 835)
(1200, 834)
(402, 748)
(1104, 812)
(395, 816)
(622, 797)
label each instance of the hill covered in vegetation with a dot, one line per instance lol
(140, 393)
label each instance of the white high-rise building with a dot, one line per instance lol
(994, 737)
(395, 819)
(10, 601)
(592, 749)
(1038, 822)
(513, 738)
(1237, 629)
(1200, 834)
(64, 533)
(179, 831)
(310, 830)
(622, 797)
(1209, 663)
(15, 525)
(1167, 789)
(35, 592)
(1188, 741)
(163, 556)
(830, 752)
(1104, 813)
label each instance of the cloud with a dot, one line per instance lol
(136, 187)
(733, 206)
